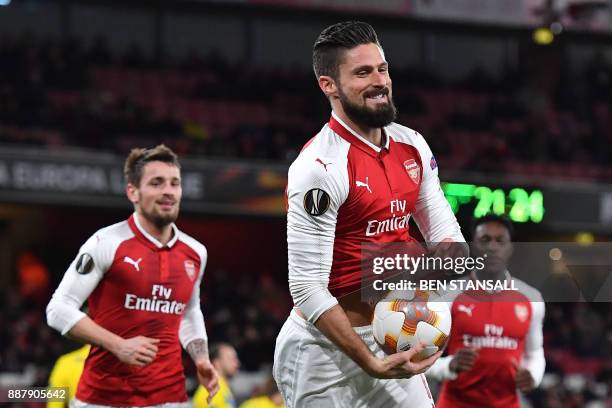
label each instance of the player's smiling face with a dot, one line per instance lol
(364, 86)
(159, 195)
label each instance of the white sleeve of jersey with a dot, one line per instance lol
(440, 370)
(63, 311)
(314, 195)
(433, 214)
(533, 359)
(192, 323)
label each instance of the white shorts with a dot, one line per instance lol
(312, 372)
(75, 403)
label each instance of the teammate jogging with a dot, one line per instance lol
(141, 278)
(496, 344)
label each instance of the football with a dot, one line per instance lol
(402, 319)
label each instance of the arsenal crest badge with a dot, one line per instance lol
(190, 269)
(521, 312)
(413, 170)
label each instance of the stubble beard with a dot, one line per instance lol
(160, 220)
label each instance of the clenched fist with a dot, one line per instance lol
(138, 351)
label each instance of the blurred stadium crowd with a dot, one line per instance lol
(60, 93)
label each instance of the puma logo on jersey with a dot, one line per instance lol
(135, 264)
(322, 163)
(466, 309)
(362, 184)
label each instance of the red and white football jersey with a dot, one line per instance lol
(135, 287)
(344, 192)
(506, 328)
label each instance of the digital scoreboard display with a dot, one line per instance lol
(518, 203)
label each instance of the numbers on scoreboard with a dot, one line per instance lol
(485, 200)
(518, 204)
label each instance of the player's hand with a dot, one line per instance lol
(404, 364)
(138, 351)
(208, 377)
(463, 360)
(524, 380)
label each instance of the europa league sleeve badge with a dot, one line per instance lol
(84, 264)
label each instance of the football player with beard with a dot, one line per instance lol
(141, 278)
(358, 181)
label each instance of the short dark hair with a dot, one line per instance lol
(500, 219)
(139, 157)
(215, 350)
(329, 47)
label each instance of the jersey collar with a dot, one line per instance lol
(337, 125)
(152, 239)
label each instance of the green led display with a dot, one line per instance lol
(518, 204)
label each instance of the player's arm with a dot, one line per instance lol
(193, 337)
(531, 371)
(440, 370)
(433, 214)
(449, 367)
(314, 196)
(336, 326)
(79, 281)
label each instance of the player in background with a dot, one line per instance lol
(66, 373)
(225, 360)
(496, 344)
(358, 181)
(141, 278)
